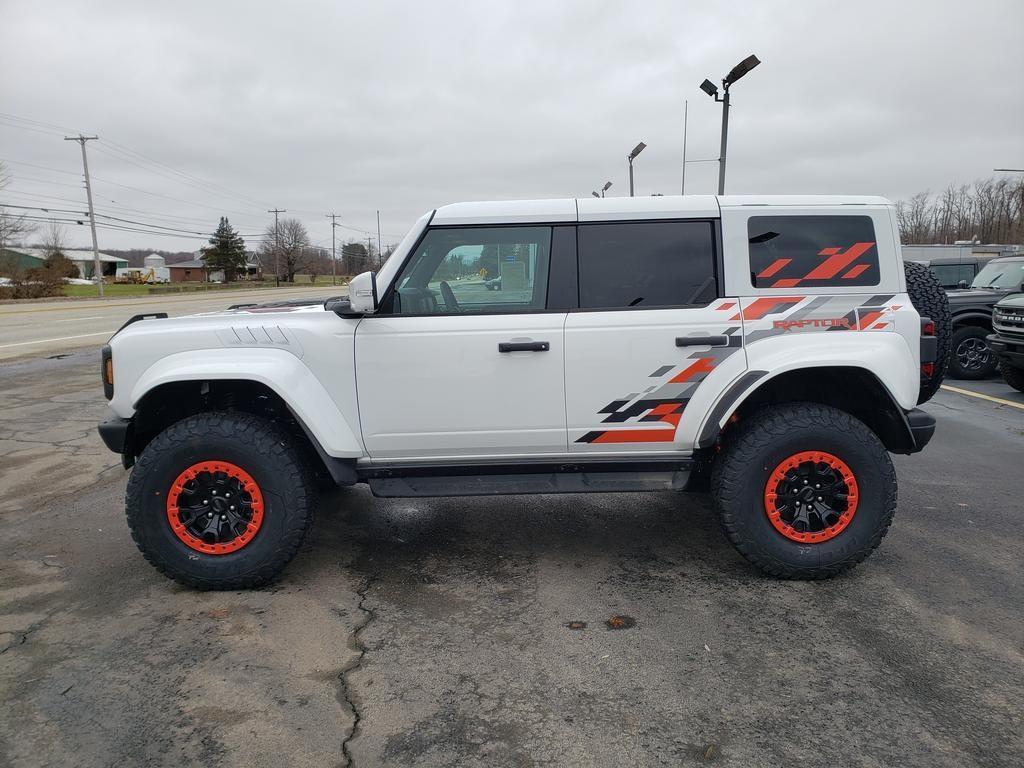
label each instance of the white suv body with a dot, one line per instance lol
(623, 336)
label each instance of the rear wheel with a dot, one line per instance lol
(930, 301)
(971, 359)
(804, 491)
(220, 501)
(1013, 376)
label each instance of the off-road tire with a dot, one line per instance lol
(965, 334)
(1012, 376)
(931, 301)
(261, 449)
(768, 437)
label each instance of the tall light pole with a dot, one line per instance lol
(92, 215)
(632, 156)
(712, 90)
(604, 189)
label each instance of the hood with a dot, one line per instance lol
(974, 295)
(1015, 300)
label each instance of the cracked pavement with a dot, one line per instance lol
(436, 632)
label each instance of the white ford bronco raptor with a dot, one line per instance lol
(771, 350)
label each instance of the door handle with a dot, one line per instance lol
(523, 346)
(702, 341)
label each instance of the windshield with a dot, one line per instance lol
(1000, 274)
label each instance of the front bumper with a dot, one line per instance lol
(1007, 348)
(117, 436)
(922, 427)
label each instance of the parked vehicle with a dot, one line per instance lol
(771, 350)
(971, 310)
(1007, 343)
(954, 266)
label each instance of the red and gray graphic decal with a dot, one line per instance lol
(662, 404)
(824, 313)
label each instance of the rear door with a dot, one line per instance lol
(455, 366)
(652, 343)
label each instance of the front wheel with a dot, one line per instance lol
(1012, 376)
(804, 491)
(220, 501)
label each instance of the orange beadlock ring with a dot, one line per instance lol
(245, 483)
(839, 469)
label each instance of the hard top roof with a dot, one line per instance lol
(619, 208)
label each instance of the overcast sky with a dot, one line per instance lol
(350, 107)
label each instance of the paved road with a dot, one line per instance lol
(31, 329)
(438, 631)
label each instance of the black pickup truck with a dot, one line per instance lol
(971, 309)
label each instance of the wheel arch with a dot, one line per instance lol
(974, 318)
(170, 402)
(853, 389)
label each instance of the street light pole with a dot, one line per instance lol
(725, 141)
(712, 90)
(632, 156)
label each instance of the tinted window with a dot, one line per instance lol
(648, 264)
(812, 251)
(950, 275)
(476, 269)
(1000, 274)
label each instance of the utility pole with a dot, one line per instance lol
(92, 214)
(334, 259)
(380, 252)
(277, 247)
(369, 253)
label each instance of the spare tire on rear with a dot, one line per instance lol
(930, 301)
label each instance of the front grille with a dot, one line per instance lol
(1008, 320)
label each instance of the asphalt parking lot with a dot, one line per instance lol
(441, 632)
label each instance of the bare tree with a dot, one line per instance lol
(990, 211)
(13, 229)
(286, 247)
(55, 239)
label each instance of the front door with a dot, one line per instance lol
(652, 344)
(464, 360)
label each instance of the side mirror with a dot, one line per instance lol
(362, 293)
(962, 284)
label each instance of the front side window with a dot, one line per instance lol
(476, 269)
(812, 251)
(646, 264)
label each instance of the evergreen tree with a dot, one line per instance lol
(226, 251)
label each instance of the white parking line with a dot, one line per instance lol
(971, 393)
(62, 338)
(78, 319)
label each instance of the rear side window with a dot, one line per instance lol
(950, 275)
(646, 264)
(812, 251)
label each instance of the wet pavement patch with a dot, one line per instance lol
(620, 622)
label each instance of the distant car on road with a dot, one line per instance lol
(494, 284)
(971, 309)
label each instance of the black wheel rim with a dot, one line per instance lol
(973, 354)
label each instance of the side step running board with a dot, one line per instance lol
(548, 482)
